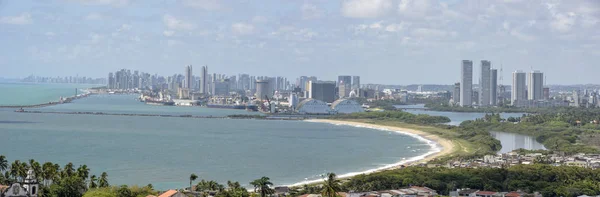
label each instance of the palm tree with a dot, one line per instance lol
(263, 185)
(83, 172)
(3, 164)
(14, 169)
(93, 180)
(103, 181)
(48, 173)
(331, 186)
(193, 177)
(37, 169)
(68, 171)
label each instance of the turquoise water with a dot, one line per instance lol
(30, 93)
(165, 151)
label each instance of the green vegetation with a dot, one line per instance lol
(444, 106)
(54, 181)
(546, 179)
(263, 186)
(401, 116)
(122, 191)
(573, 131)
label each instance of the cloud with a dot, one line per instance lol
(563, 21)
(259, 19)
(310, 11)
(168, 33)
(242, 28)
(104, 2)
(414, 8)
(203, 4)
(522, 36)
(23, 19)
(395, 27)
(124, 27)
(429, 32)
(175, 24)
(365, 8)
(50, 34)
(95, 38)
(94, 16)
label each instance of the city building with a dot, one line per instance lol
(204, 80)
(356, 84)
(263, 90)
(456, 93)
(535, 86)
(346, 106)
(313, 106)
(221, 88)
(546, 93)
(485, 83)
(519, 88)
(466, 83)
(322, 90)
(28, 188)
(494, 87)
(293, 100)
(347, 81)
(188, 77)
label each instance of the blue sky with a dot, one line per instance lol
(383, 41)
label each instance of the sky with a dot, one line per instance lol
(383, 41)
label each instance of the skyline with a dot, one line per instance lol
(383, 41)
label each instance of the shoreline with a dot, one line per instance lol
(439, 147)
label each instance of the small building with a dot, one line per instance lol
(172, 193)
(313, 106)
(346, 106)
(29, 187)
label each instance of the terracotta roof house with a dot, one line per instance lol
(172, 193)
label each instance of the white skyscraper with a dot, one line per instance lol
(535, 86)
(204, 80)
(484, 83)
(494, 88)
(188, 77)
(519, 91)
(466, 83)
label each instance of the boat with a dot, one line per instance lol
(153, 102)
(226, 106)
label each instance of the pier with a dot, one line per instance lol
(65, 100)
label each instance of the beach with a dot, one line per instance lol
(439, 146)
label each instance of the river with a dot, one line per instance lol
(510, 141)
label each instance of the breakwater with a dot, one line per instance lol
(65, 100)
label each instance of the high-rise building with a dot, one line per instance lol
(263, 90)
(546, 93)
(322, 90)
(484, 83)
(356, 84)
(188, 77)
(221, 88)
(347, 81)
(456, 93)
(203, 79)
(494, 87)
(535, 86)
(111, 81)
(466, 83)
(519, 88)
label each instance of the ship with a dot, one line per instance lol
(153, 102)
(226, 106)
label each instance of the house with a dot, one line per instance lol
(172, 193)
(468, 192)
(282, 191)
(485, 194)
(513, 194)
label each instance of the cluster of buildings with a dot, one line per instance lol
(70, 79)
(415, 191)
(514, 158)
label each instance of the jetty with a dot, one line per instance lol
(61, 101)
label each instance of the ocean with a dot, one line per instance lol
(31, 93)
(164, 151)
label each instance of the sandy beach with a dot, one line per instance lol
(440, 146)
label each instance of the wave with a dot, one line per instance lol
(435, 148)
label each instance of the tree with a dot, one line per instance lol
(103, 181)
(331, 186)
(193, 177)
(83, 172)
(68, 171)
(72, 186)
(93, 181)
(3, 164)
(124, 191)
(263, 185)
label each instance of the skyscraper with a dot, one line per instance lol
(322, 90)
(456, 93)
(204, 80)
(347, 81)
(518, 93)
(494, 87)
(535, 86)
(356, 83)
(484, 83)
(188, 77)
(466, 83)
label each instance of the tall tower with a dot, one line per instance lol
(466, 83)
(536, 86)
(494, 87)
(31, 184)
(347, 81)
(188, 77)
(518, 92)
(485, 83)
(203, 80)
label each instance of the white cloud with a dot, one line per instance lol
(429, 32)
(203, 4)
(95, 38)
(124, 27)
(310, 11)
(175, 24)
(522, 36)
(50, 34)
(135, 39)
(395, 27)
(365, 8)
(168, 33)
(242, 28)
(104, 2)
(94, 16)
(23, 19)
(563, 22)
(414, 8)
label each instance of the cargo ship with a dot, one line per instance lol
(234, 106)
(153, 102)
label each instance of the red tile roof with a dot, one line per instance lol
(168, 193)
(512, 194)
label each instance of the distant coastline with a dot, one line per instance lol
(439, 147)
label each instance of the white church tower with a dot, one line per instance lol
(31, 184)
